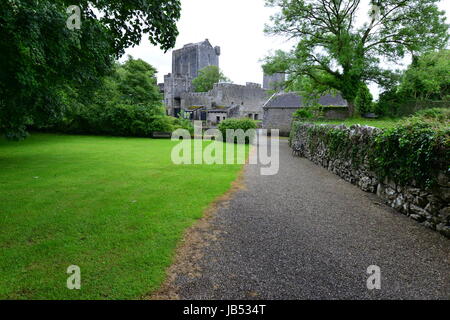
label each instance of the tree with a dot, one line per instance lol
(40, 57)
(364, 100)
(136, 81)
(428, 77)
(207, 77)
(334, 53)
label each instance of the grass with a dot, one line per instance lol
(379, 123)
(116, 207)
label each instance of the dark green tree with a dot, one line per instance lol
(137, 85)
(364, 100)
(334, 53)
(40, 57)
(207, 77)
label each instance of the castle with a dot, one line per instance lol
(228, 100)
(225, 100)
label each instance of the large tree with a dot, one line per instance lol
(428, 77)
(40, 57)
(207, 77)
(334, 53)
(137, 83)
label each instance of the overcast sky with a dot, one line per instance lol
(234, 25)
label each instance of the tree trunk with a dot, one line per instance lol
(351, 108)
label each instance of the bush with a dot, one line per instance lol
(236, 124)
(303, 113)
(436, 114)
(182, 123)
(115, 120)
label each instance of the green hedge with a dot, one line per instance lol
(236, 124)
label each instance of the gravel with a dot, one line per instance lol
(307, 234)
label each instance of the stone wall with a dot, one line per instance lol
(333, 113)
(428, 206)
(278, 118)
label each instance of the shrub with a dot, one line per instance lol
(236, 124)
(303, 113)
(182, 123)
(436, 114)
(115, 120)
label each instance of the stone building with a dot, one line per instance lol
(274, 81)
(186, 63)
(225, 100)
(279, 108)
(230, 100)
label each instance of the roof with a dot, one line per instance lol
(291, 100)
(217, 111)
(330, 100)
(284, 100)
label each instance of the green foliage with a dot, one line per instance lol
(238, 124)
(428, 77)
(441, 115)
(127, 103)
(340, 144)
(40, 57)
(412, 153)
(137, 83)
(364, 100)
(334, 53)
(182, 123)
(426, 83)
(377, 123)
(303, 113)
(389, 103)
(207, 78)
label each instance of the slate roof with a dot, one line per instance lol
(284, 100)
(330, 100)
(291, 100)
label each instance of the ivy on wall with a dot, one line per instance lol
(412, 153)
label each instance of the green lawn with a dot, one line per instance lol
(379, 123)
(116, 207)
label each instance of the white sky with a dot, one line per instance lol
(237, 26)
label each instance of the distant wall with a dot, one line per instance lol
(281, 118)
(278, 118)
(335, 113)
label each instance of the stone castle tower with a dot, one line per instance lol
(186, 62)
(274, 81)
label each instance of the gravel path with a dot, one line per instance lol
(306, 234)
